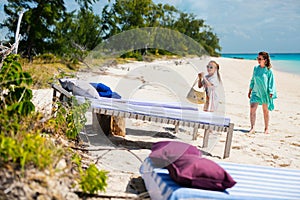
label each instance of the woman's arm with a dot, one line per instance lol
(249, 93)
(252, 79)
(271, 84)
(251, 85)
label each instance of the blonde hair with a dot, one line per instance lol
(218, 68)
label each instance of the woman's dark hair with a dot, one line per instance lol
(266, 57)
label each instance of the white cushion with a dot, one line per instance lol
(80, 88)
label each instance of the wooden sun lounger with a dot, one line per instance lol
(110, 115)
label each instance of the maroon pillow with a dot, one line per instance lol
(165, 152)
(195, 172)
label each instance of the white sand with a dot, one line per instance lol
(279, 148)
(42, 99)
(164, 81)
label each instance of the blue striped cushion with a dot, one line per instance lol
(253, 182)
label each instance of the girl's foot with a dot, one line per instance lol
(252, 131)
(266, 131)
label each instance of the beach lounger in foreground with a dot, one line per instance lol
(252, 182)
(106, 109)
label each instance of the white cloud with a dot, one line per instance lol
(242, 34)
(248, 23)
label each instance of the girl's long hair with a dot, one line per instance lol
(218, 68)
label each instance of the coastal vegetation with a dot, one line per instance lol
(49, 28)
(28, 141)
(54, 42)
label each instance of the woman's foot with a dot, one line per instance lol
(252, 131)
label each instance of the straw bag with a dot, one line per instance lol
(195, 96)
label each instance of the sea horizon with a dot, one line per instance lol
(285, 62)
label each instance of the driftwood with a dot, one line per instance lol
(5, 50)
(17, 35)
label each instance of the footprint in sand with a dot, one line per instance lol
(270, 161)
(295, 144)
(284, 165)
(275, 156)
(250, 135)
(236, 147)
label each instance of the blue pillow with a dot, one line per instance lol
(115, 95)
(103, 90)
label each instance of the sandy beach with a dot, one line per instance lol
(169, 81)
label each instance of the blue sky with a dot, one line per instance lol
(243, 26)
(249, 26)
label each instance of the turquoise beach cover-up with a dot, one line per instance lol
(263, 84)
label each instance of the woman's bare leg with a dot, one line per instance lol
(253, 107)
(266, 117)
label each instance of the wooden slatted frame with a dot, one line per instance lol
(164, 120)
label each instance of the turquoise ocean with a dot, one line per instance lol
(286, 62)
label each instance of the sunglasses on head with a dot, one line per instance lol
(209, 67)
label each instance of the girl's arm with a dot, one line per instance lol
(200, 75)
(207, 83)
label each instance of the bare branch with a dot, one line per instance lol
(17, 36)
(5, 50)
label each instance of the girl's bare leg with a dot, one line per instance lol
(266, 117)
(253, 107)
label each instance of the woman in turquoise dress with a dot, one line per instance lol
(262, 90)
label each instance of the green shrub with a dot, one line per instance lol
(22, 141)
(133, 54)
(92, 179)
(70, 118)
(46, 58)
(15, 96)
(28, 149)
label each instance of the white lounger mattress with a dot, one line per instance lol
(173, 111)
